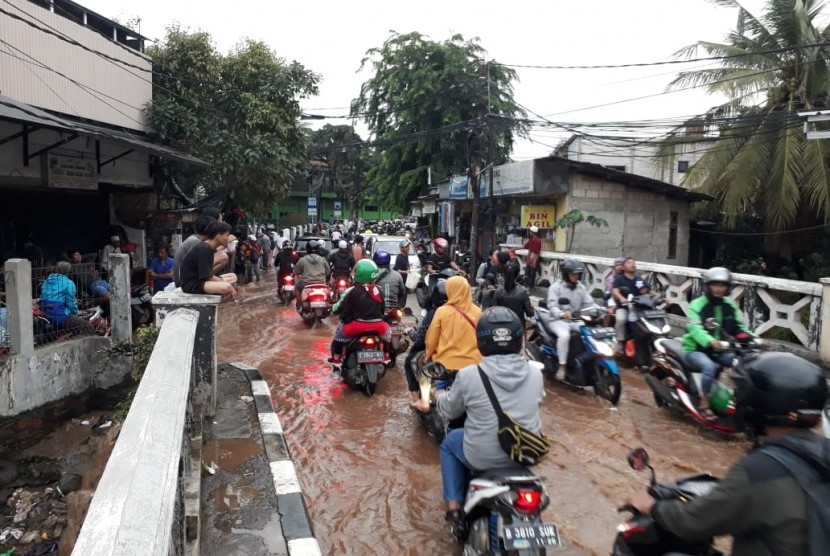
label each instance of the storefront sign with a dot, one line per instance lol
(65, 172)
(541, 216)
(514, 178)
(458, 187)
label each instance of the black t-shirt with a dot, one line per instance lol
(358, 304)
(285, 260)
(197, 268)
(622, 281)
(401, 262)
(439, 262)
(342, 262)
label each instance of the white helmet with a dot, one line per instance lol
(343, 244)
(336, 235)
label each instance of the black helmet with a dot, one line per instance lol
(571, 266)
(499, 331)
(437, 295)
(358, 238)
(778, 389)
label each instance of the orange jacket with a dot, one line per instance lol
(451, 338)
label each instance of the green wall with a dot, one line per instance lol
(297, 203)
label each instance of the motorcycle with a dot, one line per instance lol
(400, 338)
(432, 377)
(502, 514)
(462, 259)
(591, 354)
(97, 318)
(676, 385)
(825, 422)
(285, 289)
(341, 284)
(642, 536)
(315, 304)
(364, 363)
(646, 324)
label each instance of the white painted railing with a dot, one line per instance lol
(767, 303)
(138, 505)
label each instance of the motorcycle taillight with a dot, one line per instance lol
(341, 284)
(288, 279)
(528, 501)
(629, 530)
(368, 341)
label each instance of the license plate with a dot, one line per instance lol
(288, 288)
(370, 357)
(318, 304)
(603, 332)
(396, 330)
(654, 314)
(531, 535)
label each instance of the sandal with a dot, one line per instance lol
(457, 525)
(707, 413)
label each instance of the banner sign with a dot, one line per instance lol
(65, 172)
(541, 216)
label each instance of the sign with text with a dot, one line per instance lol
(312, 202)
(64, 172)
(541, 216)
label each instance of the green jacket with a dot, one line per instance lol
(726, 312)
(758, 502)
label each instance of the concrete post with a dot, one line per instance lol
(204, 353)
(175, 242)
(121, 322)
(824, 337)
(141, 257)
(18, 274)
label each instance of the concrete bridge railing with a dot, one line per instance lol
(139, 505)
(767, 303)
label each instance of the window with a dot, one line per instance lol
(370, 208)
(618, 168)
(682, 166)
(672, 236)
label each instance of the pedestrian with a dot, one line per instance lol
(161, 270)
(534, 253)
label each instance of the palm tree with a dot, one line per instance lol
(773, 67)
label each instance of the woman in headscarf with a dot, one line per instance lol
(451, 338)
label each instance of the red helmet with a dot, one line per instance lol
(441, 245)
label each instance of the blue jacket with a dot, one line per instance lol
(58, 297)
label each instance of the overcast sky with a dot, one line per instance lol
(331, 37)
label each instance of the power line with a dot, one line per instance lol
(758, 234)
(667, 62)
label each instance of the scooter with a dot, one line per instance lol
(341, 284)
(285, 289)
(400, 335)
(642, 536)
(591, 354)
(503, 514)
(647, 322)
(364, 363)
(676, 385)
(315, 304)
(432, 377)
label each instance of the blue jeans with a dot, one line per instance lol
(709, 367)
(454, 466)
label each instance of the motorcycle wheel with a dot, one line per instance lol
(607, 384)
(477, 542)
(436, 426)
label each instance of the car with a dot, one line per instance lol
(391, 244)
(301, 242)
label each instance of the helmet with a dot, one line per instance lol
(717, 274)
(571, 266)
(287, 245)
(343, 244)
(358, 238)
(403, 243)
(251, 237)
(365, 271)
(382, 258)
(778, 389)
(499, 331)
(441, 244)
(312, 247)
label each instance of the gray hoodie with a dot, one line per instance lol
(578, 298)
(520, 391)
(312, 269)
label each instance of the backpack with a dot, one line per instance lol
(816, 490)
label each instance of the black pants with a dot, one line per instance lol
(408, 370)
(530, 276)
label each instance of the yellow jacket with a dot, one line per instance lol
(451, 338)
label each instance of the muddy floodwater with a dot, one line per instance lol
(370, 472)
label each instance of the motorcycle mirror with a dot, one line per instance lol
(638, 460)
(710, 324)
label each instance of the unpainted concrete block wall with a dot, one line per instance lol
(638, 221)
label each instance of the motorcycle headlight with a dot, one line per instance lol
(603, 348)
(652, 328)
(666, 329)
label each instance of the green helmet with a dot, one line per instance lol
(365, 271)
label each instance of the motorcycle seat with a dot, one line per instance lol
(502, 472)
(674, 349)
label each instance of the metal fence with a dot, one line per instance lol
(68, 301)
(5, 341)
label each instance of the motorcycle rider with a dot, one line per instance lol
(626, 279)
(284, 261)
(703, 348)
(311, 269)
(778, 396)
(569, 287)
(441, 259)
(437, 298)
(342, 261)
(519, 389)
(492, 265)
(361, 310)
(451, 337)
(389, 281)
(512, 295)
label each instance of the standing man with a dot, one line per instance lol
(265, 248)
(112, 248)
(534, 251)
(402, 260)
(358, 252)
(161, 269)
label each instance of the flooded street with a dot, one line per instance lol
(370, 472)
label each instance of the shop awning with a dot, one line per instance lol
(19, 112)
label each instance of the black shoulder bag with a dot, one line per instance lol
(523, 446)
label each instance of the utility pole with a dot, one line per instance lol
(474, 174)
(491, 200)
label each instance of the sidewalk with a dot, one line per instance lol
(252, 505)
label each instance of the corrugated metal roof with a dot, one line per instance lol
(12, 110)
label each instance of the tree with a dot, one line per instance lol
(421, 104)
(346, 167)
(761, 164)
(573, 217)
(238, 112)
